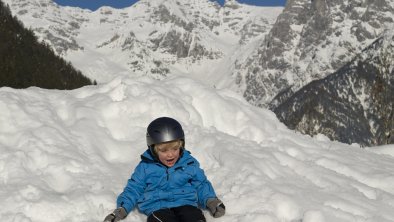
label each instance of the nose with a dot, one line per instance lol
(170, 153)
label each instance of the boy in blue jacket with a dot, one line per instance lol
(168, 184)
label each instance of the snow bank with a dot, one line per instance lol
(66, 155)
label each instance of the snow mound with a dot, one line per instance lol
(66, 155)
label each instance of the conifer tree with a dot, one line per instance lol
(25, 62)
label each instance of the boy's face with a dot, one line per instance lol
(168, 152)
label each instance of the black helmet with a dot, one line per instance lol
(164, 129)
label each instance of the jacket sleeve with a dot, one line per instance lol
(133, 190)
(203, 186)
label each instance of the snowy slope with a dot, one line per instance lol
(66, 155)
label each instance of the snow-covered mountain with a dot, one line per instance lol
(153, 37)
(353, 105)
(310, 40)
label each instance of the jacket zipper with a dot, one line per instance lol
(167, 174)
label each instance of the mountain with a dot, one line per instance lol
(25, 62)
(157, 38)
(353, 105)
(310, 40)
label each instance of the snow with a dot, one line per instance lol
(66, 155)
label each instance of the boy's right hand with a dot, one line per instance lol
(117, 215)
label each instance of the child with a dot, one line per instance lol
(168, 184)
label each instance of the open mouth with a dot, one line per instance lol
(170, 161)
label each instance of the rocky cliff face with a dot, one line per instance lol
(50, 23)
(353, 105)
(310, 40)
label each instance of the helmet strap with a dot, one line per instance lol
(152, 152)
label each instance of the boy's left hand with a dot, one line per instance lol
(216, 207)
(117, 215)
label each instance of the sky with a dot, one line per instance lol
(95, 4)
(66, 155)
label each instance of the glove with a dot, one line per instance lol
(117, 215)
(216, 207)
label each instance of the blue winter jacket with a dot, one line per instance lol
(154, 186)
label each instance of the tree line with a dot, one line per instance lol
(25, 62)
